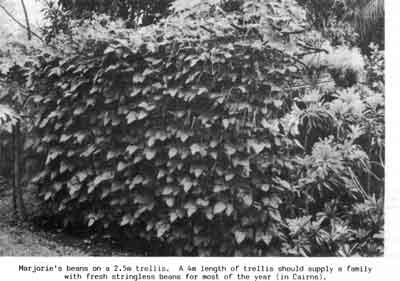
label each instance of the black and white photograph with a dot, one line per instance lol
(195, 128)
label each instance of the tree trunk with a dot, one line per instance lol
(18, 199)
(17, 189)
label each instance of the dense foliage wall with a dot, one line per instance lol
(211, 134)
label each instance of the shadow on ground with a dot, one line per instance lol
(28, 239)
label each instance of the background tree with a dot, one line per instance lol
(12, 91)
(358, 22)
(135, 12)
(370, 22)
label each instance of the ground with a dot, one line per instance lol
(26, 239)
(17, 240)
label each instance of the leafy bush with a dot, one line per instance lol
(334, 18)
(195, 127)
(376, 68)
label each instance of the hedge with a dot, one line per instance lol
(192, 143)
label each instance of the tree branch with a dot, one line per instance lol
(28, 26)
(19, 23)
(308, 47)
